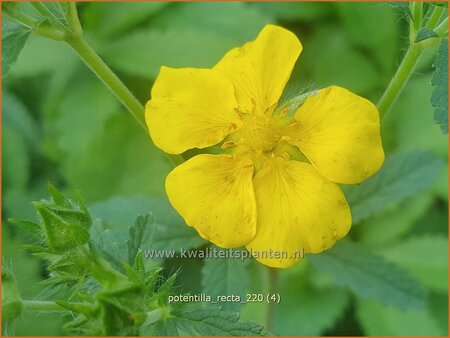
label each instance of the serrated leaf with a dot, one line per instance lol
(196, 319)
(370, 276)
(425, 33)
(226, 277)
(425, 257)
(143, 232)
(402, 175)
(14, 37)
(439, 97)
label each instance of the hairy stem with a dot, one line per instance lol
(273, 281)
(400, 79)
(47, 306)
(40, 305)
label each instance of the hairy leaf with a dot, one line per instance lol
(370, 276)
(403, 175)
(439, 97)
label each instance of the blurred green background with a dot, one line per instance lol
(60, 124)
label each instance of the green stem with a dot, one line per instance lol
(434, 17)
(416, 8)
(400, 79)
(47, 306)
(272, 289)
(39, 305)
(442, 28)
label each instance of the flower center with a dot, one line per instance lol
(259, 134)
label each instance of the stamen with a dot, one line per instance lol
(228, 144)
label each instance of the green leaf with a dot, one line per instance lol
(361, 21)
(56, 13)
(14, 37)
(425, 257)
(307, 311)
(142, 233)
(241, 22)
(333, 60)
(226, 277)
(12, 305)
(196, 319)
(31, 228)
(439, 98)
(413, 115)
(15, 160)
(386, 228)
(171, 231)
(42, 55)
(16, 116)
(402, 175)
(379, 320)
(425, 33)
(146, 60)
(107, 19)
(369, 275)
(60, 234)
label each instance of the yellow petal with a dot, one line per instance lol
(190, 108)
(214, 194)
(260, 69)
(339, 132)
(298, 211)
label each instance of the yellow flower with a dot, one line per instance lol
(274, 188)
